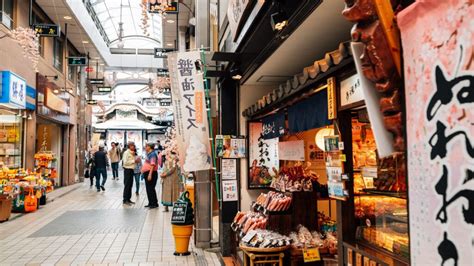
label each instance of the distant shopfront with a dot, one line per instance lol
(53, 127)
(17, 100)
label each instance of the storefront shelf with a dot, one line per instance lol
(401, 195)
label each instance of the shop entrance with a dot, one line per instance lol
(11, 135)
(50, 135)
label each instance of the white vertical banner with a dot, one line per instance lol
(190, 114)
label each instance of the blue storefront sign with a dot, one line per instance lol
(30, 98)
(13, 91)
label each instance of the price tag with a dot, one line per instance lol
(342, 157)
(311, 255)
(249, 236)
(341, 146)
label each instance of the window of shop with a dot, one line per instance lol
(6, 13)
(10, 139)
(58, 54)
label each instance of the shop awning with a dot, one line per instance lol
(311, 75)
(123, 124)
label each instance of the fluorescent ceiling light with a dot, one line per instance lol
(67, 17)
(170, 21)
(85, 41)
(170, 44)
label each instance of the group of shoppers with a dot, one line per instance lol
(134, 168)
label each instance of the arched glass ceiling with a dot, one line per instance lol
(111, 12)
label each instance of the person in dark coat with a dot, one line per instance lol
(101, 164)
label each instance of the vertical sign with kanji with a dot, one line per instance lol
(190, 114)
(437, 38)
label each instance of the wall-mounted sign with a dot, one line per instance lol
(89, 69)
(332, 107)
(54, 102)
(162, 71)
(92, 102)
(77, 61)
(161, 52)
(229, 190)
(30, 98)
(13, 90)
(97, 81)
(104, 89)
(155, 7)
(351, 91)
(291, 150)
(237, 13)
(47, 30)
(229, 169)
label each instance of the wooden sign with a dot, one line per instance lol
(332, 107)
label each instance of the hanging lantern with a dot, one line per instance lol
(319, 139)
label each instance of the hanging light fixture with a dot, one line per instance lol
(24, 115)
(30, 117)
(279, 19)
(19, 113)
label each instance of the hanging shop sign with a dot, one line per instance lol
(190, 114)
(332, 107)
(13, 90)
(165, 101)
(30, 98)
(274, 126)
(104, 89)
(230, 146)
(54, 102)
(263, 157)
(351, 91)
(161, 52)
(97, 81)
(237, 12)
(291, 150)
(77, 61)
(155, 6)
(47, 30)
(440, 140)
(92, 102)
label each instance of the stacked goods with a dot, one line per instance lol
(294, 179)
(273, 201)
(266, 239)
(303, 239)
(369, 207)
(246, 221)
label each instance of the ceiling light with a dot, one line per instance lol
(101, 64)
(67, 17)
(19, 113)
(135, 75)
(56, 91)
(170, 21)
(85, 42)
(170, 44)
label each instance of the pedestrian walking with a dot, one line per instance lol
(115, 156)
(90, 167)
(137, 172)
(149, 171)
(101, 163)
(129, 164)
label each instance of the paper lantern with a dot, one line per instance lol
(319, 139)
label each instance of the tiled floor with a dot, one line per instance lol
(85, 227)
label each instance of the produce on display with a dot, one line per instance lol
(246, 221)
(294, 179)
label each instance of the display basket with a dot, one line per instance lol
(263, 250)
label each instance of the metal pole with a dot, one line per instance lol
(67, 55)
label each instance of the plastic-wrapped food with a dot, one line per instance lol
(268, 239)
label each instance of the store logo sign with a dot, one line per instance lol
(13, 93)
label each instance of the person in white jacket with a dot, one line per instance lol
(129, 162)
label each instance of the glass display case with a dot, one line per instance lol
(380, 195)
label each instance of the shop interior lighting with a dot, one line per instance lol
(279, 19)
(170, 21)
(169, 44)
(56, 91)
(67, 17)
(85, 42)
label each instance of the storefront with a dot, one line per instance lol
(16, 104)
(53, 130)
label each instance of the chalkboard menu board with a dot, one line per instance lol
(179, 213)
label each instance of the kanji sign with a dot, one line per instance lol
(47, 30)
(77, 61)
(171, 8)
(190, 112)
(439, 78)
